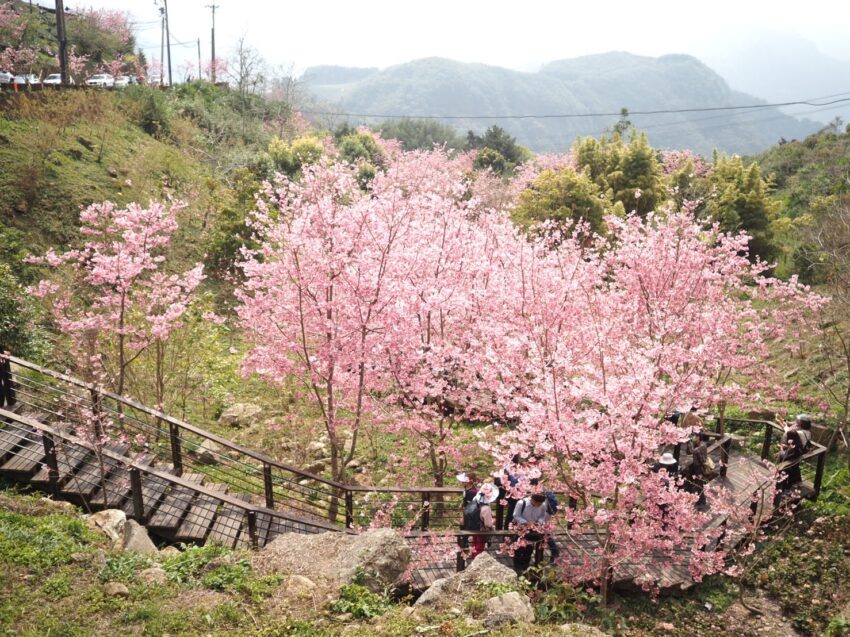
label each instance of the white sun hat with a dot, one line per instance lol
(487, 493)
(462, 477)
(667, 458)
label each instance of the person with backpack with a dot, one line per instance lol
(551, 509)
(478, 516)
(528, 512)
(795, 443)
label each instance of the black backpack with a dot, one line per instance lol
(472, 516)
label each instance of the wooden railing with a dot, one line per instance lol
(812, 462)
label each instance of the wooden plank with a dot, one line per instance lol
(175, 503)
(153, 488)
(69, 458)
(82, 484)
(118, 486)
(199, 519)
(26, 457)
(11, 438)
(228, 527)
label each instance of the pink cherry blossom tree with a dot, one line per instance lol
(114, 297)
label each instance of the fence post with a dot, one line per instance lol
(572, 503)
(768, 439)
(52, 463)
(819, 475)
(176, 451)
(7, 389)
(426, 510)
(349, 509)
(724, 456)
(252, 529)
(136, 492)
(267, 485)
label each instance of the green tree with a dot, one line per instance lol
(20, 331)
(739, 200)
(563, 197)
(420, 134)
(498, 140)
(628, 173)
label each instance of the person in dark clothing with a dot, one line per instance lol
(696, 473)
(795, 442)
(506, 481)
(7, 390)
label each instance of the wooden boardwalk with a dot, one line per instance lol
(189, 485)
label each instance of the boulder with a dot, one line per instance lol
(317, 449)
(316, 467)
(240, 415)
(153, 575)
(510, 608)
(209, 452)
(451, 591)
(137, 540)
(111, 523)
(115, 589)
(299, 586)
(581, 630)
(378, 557)
(169, 551)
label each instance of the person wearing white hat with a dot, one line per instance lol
(487, 494)
(668, 462)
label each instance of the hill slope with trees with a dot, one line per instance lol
(592, 84)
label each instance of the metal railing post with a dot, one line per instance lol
(349, 509)
(819, 475)
(426, 510)
(176, 451)
(768, 439)
(136, 492)
(724, 456)
(268, 487)
(52, 463)
(252, 529)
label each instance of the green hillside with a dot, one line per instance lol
(591, 84)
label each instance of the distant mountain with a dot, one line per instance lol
(591, 84)
(782, 67)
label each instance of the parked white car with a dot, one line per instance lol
(26, 78)
(6, 77)
(55, 79)
(122, 81)
(101, 80)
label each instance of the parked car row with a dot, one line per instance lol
(99, 80)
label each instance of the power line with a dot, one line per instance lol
(702, 109)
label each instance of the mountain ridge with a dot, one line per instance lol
(475, 95)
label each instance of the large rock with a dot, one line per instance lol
(153, 575)
(240, 415)
(209, 452)
(378, 557)
(116, 589)
(451, 591)
(137, 540)
(510, 608)
(317, 449)
(111, 523)
(581, 630)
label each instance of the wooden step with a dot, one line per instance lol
(228, 529)
(24, 457)
(270, 526)
(82, 484)
(199, 519)
(153, 488)
(118, 486)
(69, 458)
(175, 503)
(10, 439)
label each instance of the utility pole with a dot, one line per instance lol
(162, 49)
(199, 59)
(212, 66)
(168, 42)
(63, 42)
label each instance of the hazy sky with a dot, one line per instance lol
(519, 34)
